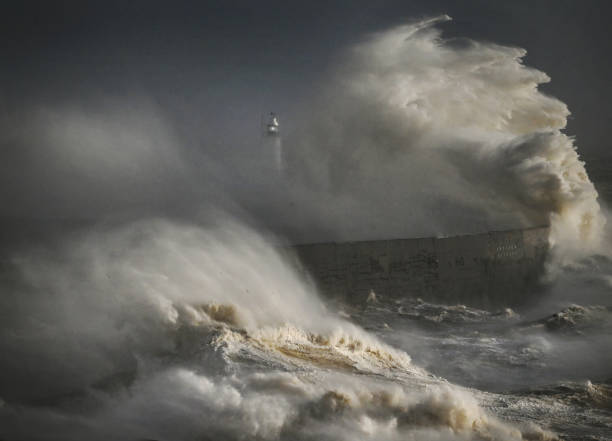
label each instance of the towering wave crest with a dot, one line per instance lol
(163, 331)
(447, 136)
(155, 330)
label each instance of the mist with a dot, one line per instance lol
(125, 332)
(444, 136)
(163, 299)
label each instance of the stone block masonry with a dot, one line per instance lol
(488, 270)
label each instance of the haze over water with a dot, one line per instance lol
(200, 325)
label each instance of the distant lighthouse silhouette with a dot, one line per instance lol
(273, 142)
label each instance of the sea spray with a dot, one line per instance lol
(444, 136)
(168, 331)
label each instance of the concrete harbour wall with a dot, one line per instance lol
(499, 268)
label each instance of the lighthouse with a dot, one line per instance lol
(273, 128)
(273, 142)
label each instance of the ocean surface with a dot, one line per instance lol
(168, 330)
(210, 334)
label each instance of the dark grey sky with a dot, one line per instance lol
(230, 57)
(214, 67)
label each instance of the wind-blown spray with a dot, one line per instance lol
(419, 135)
(162, 331)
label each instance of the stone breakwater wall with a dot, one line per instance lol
(494, 269)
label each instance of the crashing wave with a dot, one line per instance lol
(172, 332)
(460, 131)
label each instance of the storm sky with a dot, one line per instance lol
(201, 74)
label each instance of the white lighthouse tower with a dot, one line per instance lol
(274, 142)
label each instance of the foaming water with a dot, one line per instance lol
(455, 133)
(159, 330)
(163, 331)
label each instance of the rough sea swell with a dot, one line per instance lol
(169, 331)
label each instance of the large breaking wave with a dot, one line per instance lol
(164, 331)
(445, 137)
(158, 330)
